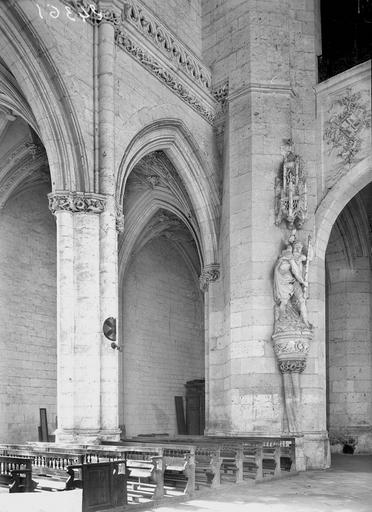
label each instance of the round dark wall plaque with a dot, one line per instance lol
(109, 328)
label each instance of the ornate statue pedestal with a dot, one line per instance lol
(291, 346)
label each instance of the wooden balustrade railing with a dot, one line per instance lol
(164, 467)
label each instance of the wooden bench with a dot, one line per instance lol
(207, 466)
(145, 473)
(16, 473)
(179, 469)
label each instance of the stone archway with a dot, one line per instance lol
(349, 344)
(42, 99)
(162, 332)
(172, 137)
(325, 217)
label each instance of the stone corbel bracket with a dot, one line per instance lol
(210, 273)
(76, 202)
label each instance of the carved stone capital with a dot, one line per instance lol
(292, 365)
(209, 274)
(76, 202)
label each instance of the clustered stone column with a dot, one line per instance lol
(292, 330)
(111, 217)
(78, 315)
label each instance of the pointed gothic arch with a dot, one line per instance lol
(43, 99)
(336, 200)
(172, 137)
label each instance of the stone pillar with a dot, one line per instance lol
(78, 315)
(209, 275)
(108, 235)
(270, 61)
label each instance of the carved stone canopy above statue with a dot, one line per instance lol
(291, 192)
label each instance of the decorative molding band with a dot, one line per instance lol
(266, 88)
(160, 70)
(145, 39)
(210, 273)
(148, 25)
(300, 347)
(76, 202)
(292, 365)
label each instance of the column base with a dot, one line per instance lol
(316, 450)
(86, 436)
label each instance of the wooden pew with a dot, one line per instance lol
(104, 484)
(207, 465)
(179, 474)
(16, 473)
(145, 473)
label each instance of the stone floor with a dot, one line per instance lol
(346, 487)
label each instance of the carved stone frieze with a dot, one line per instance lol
(209, 274)
(283, 347)
(154, 30)
(76, 202)
(291, 190)
(144, 38)
(168, 77)
(349, 116)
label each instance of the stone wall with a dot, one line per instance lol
(27, 315)
(162, 337)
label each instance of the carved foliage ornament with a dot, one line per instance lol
(291, 191)
(349, 117)
(292, 366)
(209, 274)
(76, 202)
